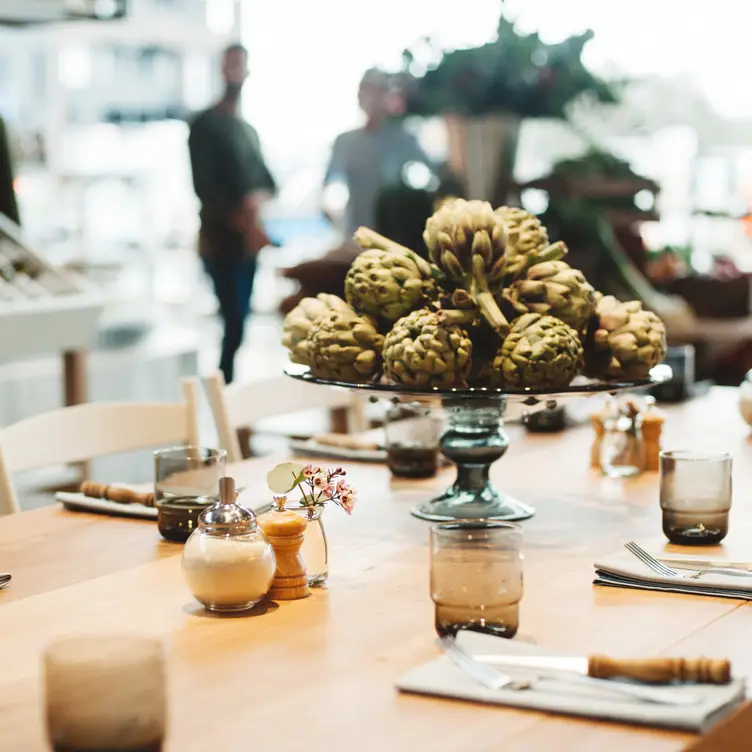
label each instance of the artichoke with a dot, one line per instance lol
(527, 242)
(389, 284)
(427, 349)
(539, 351)
(624, 341)
(554, 288)
(467, 242)
(345, 346)
(298, 323)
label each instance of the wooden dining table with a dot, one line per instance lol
(319, 673)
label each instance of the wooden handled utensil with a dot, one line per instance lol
(661, 670)
(647, 670)
(118, 494)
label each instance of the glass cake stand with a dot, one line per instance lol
(475, 438)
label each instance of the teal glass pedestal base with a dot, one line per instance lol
(474, 440)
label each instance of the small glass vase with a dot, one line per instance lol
(315, 550)
(621, 448)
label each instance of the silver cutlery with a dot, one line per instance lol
(480, 668)
(482, 673)
(660, 568)
(577, 670)
(695, 564)
(5, 578)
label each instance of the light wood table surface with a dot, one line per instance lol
(318, 674)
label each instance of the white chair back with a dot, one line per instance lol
(242, 405)
(94, 429)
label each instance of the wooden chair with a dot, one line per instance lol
(240, 406)
(94, 429)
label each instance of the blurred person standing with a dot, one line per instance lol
(230, 178)
(373, 157)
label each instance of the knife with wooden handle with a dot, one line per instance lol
(647, 670)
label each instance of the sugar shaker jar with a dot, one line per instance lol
(228, 562)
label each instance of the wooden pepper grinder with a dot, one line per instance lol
(595, 451)
(285, 531)
(652, 427)
(105, 692)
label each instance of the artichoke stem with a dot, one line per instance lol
(554, 252)
(456, 316)
(367, 238)
(485, 300)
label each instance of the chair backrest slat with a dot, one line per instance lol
(244, 404)
(95, 429)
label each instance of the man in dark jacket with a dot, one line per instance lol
(229, 175)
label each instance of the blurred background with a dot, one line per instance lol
(650, 183)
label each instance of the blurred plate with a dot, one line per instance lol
(312, 448)
(77, 502)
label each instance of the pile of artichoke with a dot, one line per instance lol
(493, 304)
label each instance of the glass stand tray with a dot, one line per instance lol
(475, 438)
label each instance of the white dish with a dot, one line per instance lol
(80, 503)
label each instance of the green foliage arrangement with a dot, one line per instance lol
(514, 73)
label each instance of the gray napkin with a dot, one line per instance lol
(557, 695)
(626, 570)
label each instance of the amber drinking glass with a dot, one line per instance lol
(186, 479)
(695, 496)
(412, 432)
(476, 576)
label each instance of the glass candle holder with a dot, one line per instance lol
(412, 432)
(186, 479)
(476, 576)
(695, 496)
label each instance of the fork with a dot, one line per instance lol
(660, 568)
(486, 675)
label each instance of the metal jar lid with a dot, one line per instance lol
(226, 516)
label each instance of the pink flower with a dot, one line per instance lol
(347, 502)
(344, 488)
(319, 481)
(308, 471)
(329, 490)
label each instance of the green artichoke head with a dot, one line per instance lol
(554, 288)
(527, 242)
(540, 351)
(298, 323)
(389, 284)
(467, 242)
(425, 350)
(345, 346)
(460, 230)
(624, 341)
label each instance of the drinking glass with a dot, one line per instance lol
(476, 576)
(186, 481)
(412, 432)
(695, 496)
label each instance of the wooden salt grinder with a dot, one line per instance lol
(285, 531)
(105, 692)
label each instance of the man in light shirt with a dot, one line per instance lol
(374, 156)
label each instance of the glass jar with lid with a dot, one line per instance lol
(228, 562)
